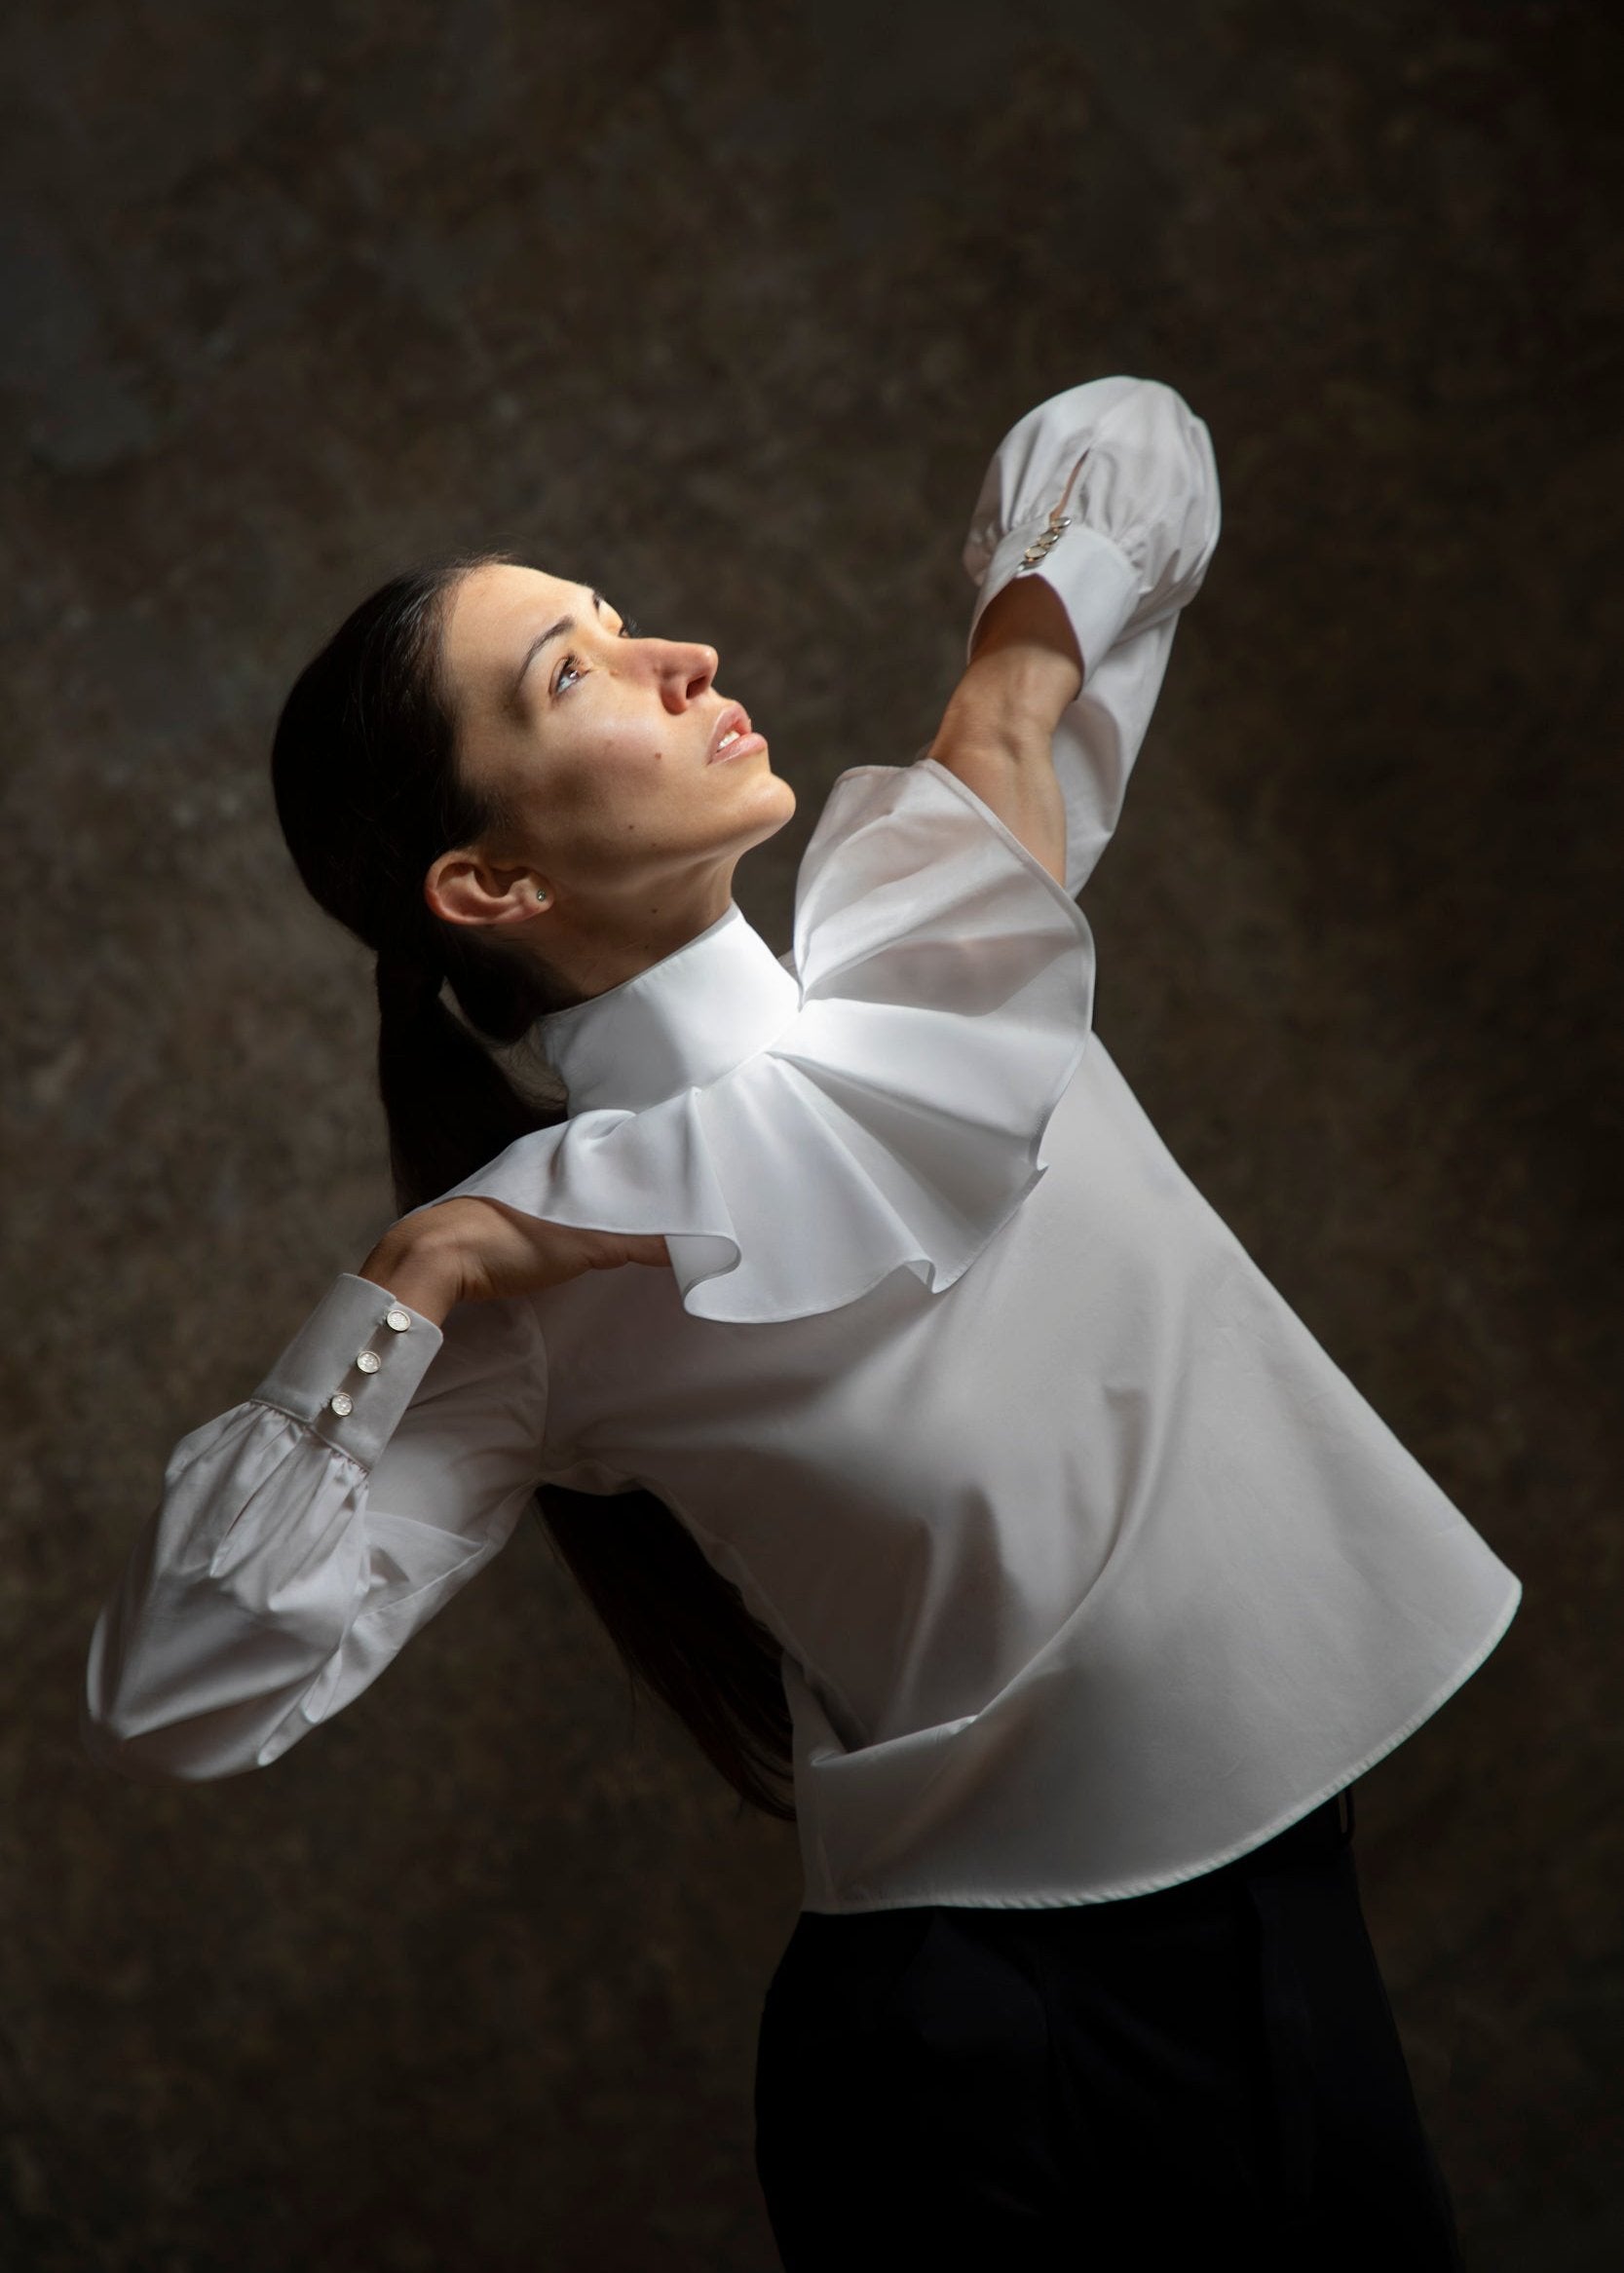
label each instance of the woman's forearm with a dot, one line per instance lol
(1025, 638)
(997, 730)
(1023, 673)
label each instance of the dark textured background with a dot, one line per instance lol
(725, 310)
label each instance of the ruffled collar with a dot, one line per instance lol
(796, 1135)
(681, 1024)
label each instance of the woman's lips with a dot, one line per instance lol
(746, 743)
(733, 720)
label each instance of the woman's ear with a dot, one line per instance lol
(461, 888)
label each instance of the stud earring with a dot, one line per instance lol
(541, 895)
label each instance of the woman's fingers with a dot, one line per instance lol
(551, 1253)
(618, 1247)
(488, 1250)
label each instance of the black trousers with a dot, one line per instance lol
(1210, 2073)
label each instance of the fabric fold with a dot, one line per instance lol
(896, 1117)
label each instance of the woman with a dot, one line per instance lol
(943, 1450)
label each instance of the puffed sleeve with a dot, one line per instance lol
(1109, 491)
(304, 1536)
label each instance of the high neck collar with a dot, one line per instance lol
(682, 1023)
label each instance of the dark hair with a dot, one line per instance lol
(367, 791)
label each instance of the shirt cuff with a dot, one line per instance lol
(353, 1367)
(1097, 583)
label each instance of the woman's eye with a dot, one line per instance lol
(628, 630)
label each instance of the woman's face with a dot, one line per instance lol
(599, 747)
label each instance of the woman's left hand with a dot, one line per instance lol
(472, 1250)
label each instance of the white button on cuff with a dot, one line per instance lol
(369, 1361)
(399, 1319)
(341, 1402)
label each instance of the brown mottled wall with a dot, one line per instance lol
(725, 308)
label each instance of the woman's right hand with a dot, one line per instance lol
(481, 1250)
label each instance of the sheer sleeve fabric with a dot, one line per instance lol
(295, 1550)
(1109, 492)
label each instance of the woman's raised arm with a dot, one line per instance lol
(997, 731)
(1107, 493)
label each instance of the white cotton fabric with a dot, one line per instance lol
(889, 1106)
(1090, 1568)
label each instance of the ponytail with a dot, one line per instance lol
(368, 794)
(448, 1105)
(683, 1633)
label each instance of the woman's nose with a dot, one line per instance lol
(687, 673)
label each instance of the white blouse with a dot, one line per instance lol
(1090, 1567)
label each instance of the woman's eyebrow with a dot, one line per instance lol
(565, 625)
